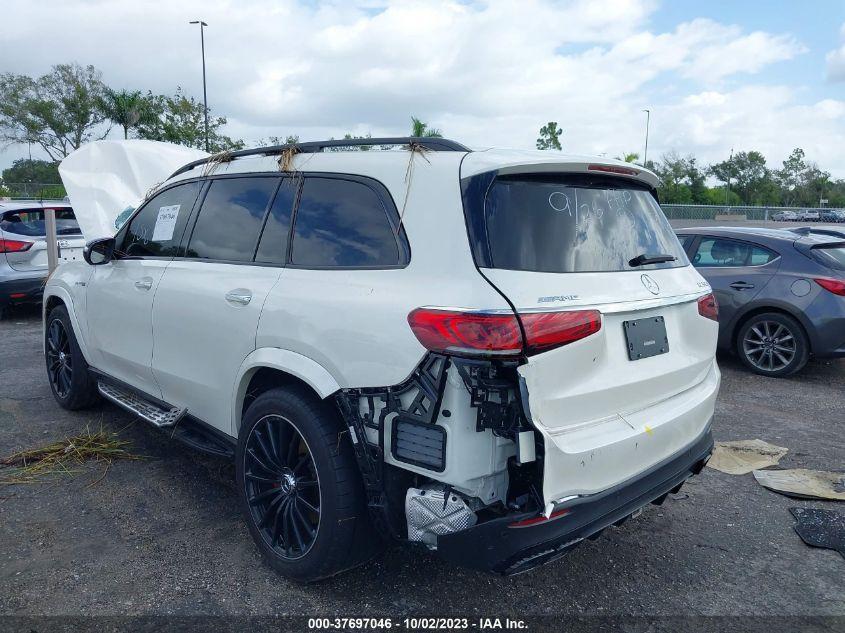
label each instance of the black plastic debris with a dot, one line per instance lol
(821, 528)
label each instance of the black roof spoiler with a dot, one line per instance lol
(431, 143)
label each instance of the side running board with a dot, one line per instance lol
(145, 409)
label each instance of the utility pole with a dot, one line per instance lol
(204, 93)
(647, 121)
(728, 187)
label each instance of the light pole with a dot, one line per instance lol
(204, 94)
(728, 188)
(647, 121)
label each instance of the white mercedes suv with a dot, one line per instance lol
(490, 354)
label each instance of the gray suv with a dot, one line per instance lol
(23, 248)
(781, 293)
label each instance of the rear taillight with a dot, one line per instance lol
(708, 307)
(547, 330)
(836, 286)
(471, 333)
(14, 246)
(493, 334)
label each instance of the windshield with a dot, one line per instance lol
(563, 224)
(30, 222)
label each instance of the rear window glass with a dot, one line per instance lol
(342, 224)
(560, 225)
(31, 222)
(831, 257)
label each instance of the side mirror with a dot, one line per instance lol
(99, 252)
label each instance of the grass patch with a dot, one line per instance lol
(65, 457)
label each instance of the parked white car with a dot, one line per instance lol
(785, 216)
(809, 215)
(495, 354)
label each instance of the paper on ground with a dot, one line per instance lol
(743, 456)
(813, 484)
(105, 178)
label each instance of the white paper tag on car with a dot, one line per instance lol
(165, 223)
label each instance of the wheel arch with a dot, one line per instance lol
(780, 308)
(266, 368)
(55, 296)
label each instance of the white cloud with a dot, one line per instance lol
(488, 73)
(836, 61)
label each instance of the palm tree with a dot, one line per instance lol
(127, 109)
(420, 129)
(630, 157)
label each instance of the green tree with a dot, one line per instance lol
(747, 173)
(630, 157)
(31, 170)
(420, 129)
(128, 109)
(789, 178)
(550, 136)
(290, 139)
(58, 111)
(180, 119)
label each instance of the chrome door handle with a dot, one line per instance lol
(240, 297)
(741, 285)
(144, 284)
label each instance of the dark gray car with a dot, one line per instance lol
(781, 293)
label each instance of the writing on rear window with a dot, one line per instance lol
(550, 224)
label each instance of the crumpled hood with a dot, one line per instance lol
(105, 180)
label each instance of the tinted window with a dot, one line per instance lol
(833, 257)
(273, 247)
(342, 223)
(714, 252)
(157, 229)
(554, 224)
(686, 240)
(31, 222)
(230, 219)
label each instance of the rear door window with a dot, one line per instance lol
(231, 218)
(343, 224)
(31, 222)
(273, 246)
(563, 224)
(716, 252)
(156, 230)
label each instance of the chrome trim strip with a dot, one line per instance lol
(604, 308)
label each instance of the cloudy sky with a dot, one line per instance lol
(721, 74)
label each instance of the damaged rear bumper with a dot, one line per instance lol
(500, 547)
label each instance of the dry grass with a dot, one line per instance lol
(64, 457)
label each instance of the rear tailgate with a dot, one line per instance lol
(619, 400)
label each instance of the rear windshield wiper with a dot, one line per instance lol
(644, 259)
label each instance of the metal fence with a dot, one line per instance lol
(32, 190)
(728, 213)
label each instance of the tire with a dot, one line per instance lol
(277, 493)
(72, 385)
(773, 344)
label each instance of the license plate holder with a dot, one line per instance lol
(646, 337)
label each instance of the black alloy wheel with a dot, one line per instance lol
(59, 358)
(282, 486)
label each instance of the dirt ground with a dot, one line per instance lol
(164, 535)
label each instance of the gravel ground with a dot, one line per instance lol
(164, 536)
